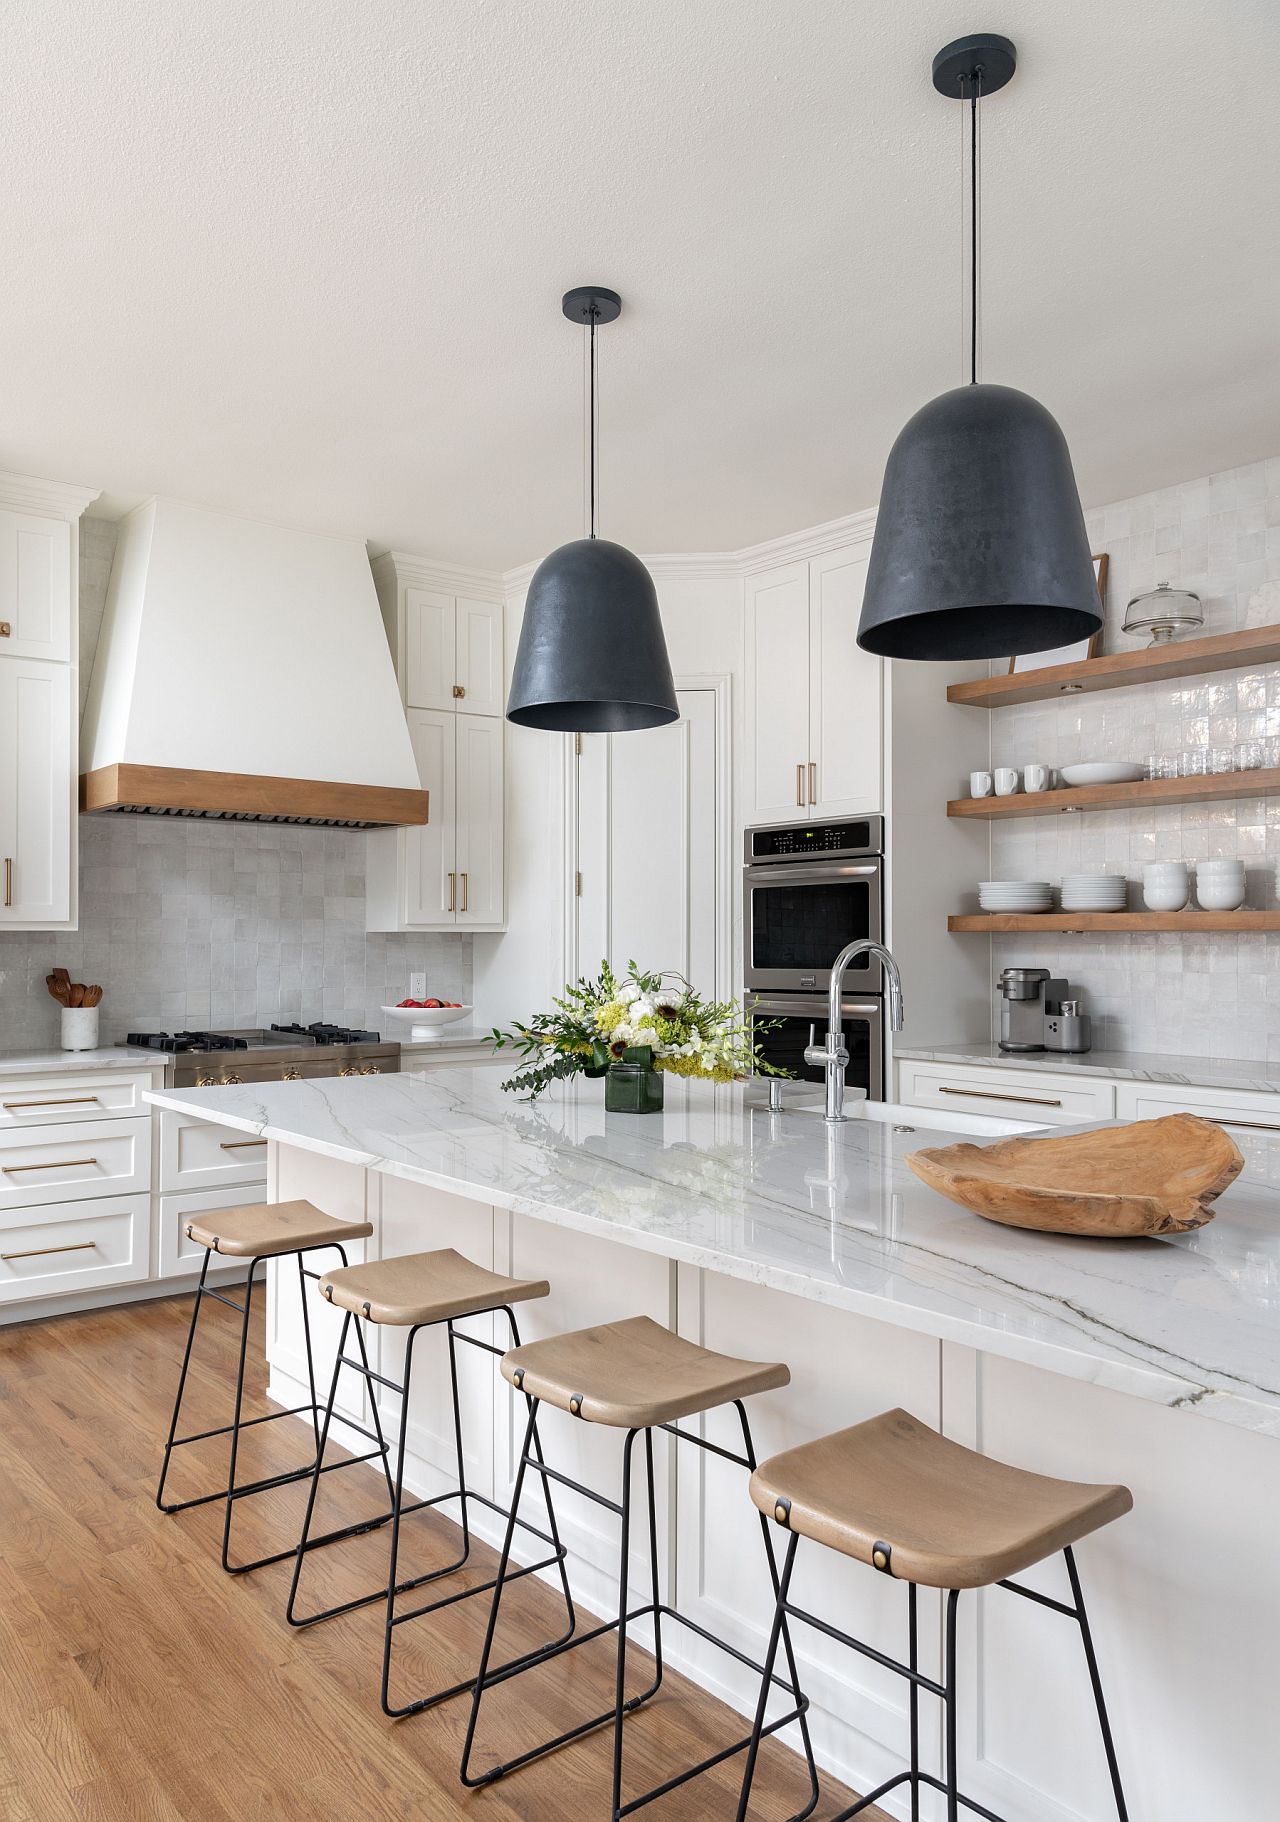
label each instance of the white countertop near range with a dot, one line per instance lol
(40, 1062)
(830, 1214)
(1118, 1065)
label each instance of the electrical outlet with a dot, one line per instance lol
(417, 986)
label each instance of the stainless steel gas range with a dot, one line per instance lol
(278, 1053)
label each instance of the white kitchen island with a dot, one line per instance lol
(1152, 1362)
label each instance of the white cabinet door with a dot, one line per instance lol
(1027, 1094)
(36, 828)
(430, 864)
(430, 655)
(844, 776)
(479, 661)
(35, 586)
(778, 691)
(481, 899)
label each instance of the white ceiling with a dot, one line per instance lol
(304, 258)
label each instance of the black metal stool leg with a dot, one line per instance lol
(235, 1422)
(766, 1681)
(913, 1663)
(749, 1451)
(624, 1564)
(953, 1770)
(1112, 1763)
(182, 1386)
(397, 1500)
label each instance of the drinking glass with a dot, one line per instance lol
(1194, 762)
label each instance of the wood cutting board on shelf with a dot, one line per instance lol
(1124, 1182)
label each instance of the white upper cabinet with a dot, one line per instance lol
(35, 586)
(430, 647)
(447, 643)
(37, 805)
(813, 696)
(845, 683)
(480, 684)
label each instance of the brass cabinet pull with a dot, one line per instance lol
(1247, 1125)
(39, 1252)
(12, 1170)
(453, 890)
(65, 1100)
(8, 880)
(800, 787)
(5, 629)
(458, 692)
(464, 892)
(986, 1094)
(813, 782)
(239, 1144)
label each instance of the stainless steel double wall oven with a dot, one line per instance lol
(808, 889)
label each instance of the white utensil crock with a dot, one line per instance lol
(79, 1027)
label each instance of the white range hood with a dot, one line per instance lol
(243, 672)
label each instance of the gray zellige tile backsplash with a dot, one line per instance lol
(204, 924)
(1215, 995)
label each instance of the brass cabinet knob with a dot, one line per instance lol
(458, 692)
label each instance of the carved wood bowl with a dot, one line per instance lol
(1150, 1177)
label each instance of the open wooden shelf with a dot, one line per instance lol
(1113, 923)
(1117, 670)
(1149, 792)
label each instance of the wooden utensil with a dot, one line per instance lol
(58, 988)
(92, 996)
(1149, 1177)
(77, 994)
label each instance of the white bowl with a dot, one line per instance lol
(1161, 897)
(1102, 771)
(425, 1022)
(1220, 895)
(1164, 869)
(1219, 866)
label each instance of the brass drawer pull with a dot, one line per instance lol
(800, 787)
(38, 1252)
(813, 781)
(453, 890)
(239, 1144)
(66, 1100)
(464, 893)
(986, 1094)
(8, 880)
(12, 1170)
(458, 692)
(1247, 1125)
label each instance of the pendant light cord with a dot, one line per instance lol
(592, 420)
(974, 98)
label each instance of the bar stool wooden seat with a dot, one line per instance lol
(634, 1376)
(254, 1232)
(414, 1292)
(894, 1494)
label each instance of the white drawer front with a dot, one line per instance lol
(1253, 1120)
(49, 1100)
(1024, 1094)
(195, 1154)
(48, 1252)
(180, 1257)
(75, 1161)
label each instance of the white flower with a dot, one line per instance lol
(642, 1011)
(629, 994)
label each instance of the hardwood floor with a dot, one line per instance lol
(139, 1681)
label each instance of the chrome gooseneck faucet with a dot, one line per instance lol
(832, 1055)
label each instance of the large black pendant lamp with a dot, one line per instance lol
(980, 549)
(592, 657)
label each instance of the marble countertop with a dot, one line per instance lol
(1120, 1065)
(110, 1056)
(835, 1215)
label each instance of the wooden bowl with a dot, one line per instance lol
(1150, 1177)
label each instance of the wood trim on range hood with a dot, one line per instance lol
(244, 796)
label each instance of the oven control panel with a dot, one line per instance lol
(797, 841)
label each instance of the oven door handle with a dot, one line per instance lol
(813, 873)
(774, 1005)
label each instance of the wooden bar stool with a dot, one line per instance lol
(638, 1377)
(257, 1231)
(896, 1495)
(418, 1291)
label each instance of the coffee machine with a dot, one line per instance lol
(1041, 1011)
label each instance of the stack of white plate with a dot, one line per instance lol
(1019, 895)
(1094, 892)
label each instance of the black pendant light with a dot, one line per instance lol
(592, 657)
(980, 549)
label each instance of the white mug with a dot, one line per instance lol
(1006, 780)
(1036, 777)
(979, 784)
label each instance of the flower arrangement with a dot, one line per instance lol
(656, 1019)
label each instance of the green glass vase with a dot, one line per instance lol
(633, 1085)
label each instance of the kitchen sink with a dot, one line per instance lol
(924, 1119)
